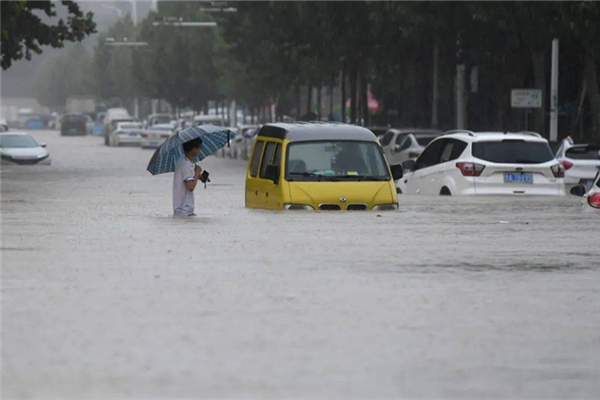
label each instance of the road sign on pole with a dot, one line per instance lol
(526, 98)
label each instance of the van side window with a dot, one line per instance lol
(431, 155)
(267, 158)
(452, 150)
(256, 158)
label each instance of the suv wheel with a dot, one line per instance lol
(445, 192)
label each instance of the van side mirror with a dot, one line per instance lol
(272, 173)
(409, 165)
(43, 145)
(397, 171)
(578, 190)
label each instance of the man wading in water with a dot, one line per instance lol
(186, 178)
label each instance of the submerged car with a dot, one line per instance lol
(152, 137)
(128, 132)
(400, 145)
(319, 166)
(20, 148)
(581, 162)
(591, 198)
(485, 163)
(74, 124)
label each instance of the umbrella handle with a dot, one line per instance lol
(228, 145)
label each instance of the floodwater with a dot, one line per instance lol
(104, 294)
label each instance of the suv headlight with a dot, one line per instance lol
(298, 207)
(385, 207)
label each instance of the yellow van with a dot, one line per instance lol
(319, 166)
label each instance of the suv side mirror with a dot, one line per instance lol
(272, 173)
(397, 172)
(409, 165)
(43, 145)
(396, 148)
(578, 190)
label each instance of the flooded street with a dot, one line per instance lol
(104, 294)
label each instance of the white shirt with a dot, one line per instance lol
(183, 199)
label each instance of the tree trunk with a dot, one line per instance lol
(309, 102)
(298, 103)
(343, 87)
(331, 82)
(319, 99)
(539, 73)
(591, 78)
(364, 99)
(353, 96)
(575, 122)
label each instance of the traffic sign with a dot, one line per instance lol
(526, 98)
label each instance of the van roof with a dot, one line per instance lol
(307, 131)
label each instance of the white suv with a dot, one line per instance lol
(581, 162)
(488, 163)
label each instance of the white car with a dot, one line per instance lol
(581, 162)
(245, 140)
(154, 136)
(158, 119)
(591, 199)
(400, 145)
(20, 148)
(126, 133)
(487, 163)
(216, 120)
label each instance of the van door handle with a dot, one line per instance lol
(256, 192)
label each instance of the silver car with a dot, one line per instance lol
(20, 148)
(400, 145)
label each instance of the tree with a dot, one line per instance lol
(63, 75)
(23, 32)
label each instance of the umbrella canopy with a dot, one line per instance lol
(372, 103)
(213, 138)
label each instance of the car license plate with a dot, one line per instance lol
(518, 178)
(153, 143)
(133, 134)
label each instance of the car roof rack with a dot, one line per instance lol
(470, 133)
(528, 133)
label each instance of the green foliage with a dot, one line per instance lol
(24, 32)
(64, 75)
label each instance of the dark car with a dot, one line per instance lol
(73, 124)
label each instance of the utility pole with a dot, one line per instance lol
(554, 93)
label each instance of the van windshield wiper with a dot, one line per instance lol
(313, 175)
(363, 177)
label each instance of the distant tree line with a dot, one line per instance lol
(268, 52)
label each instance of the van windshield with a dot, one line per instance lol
(328, 160)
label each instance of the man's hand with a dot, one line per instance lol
(197, 171)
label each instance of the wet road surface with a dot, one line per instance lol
(104, 294)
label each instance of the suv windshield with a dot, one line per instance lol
(19, 141)
(513, 152)
(584, 153)
(336, 159)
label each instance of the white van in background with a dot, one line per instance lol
(113, 115)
